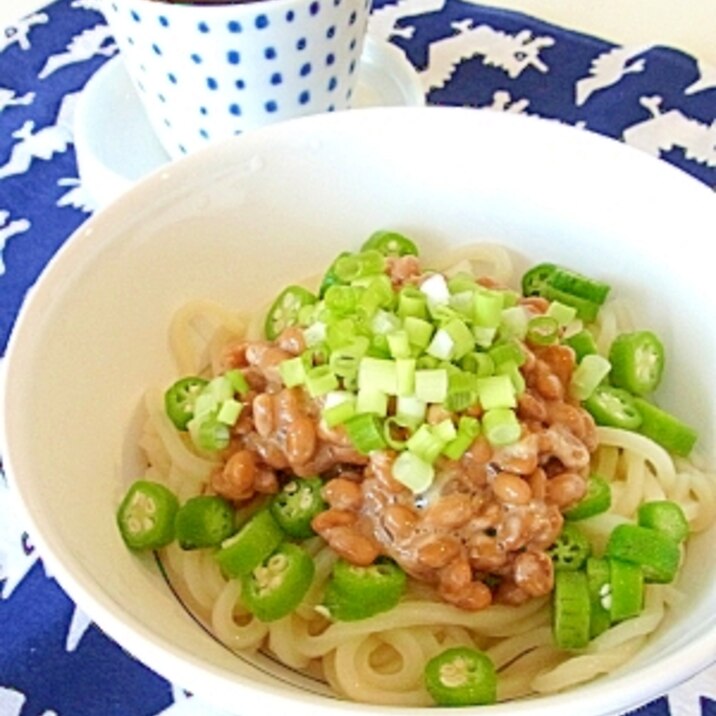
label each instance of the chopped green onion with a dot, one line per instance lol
(293, 371)
(237, 380)
(442, 345)
(399, 344)
(484, 335)
(419, 331)
(501, 427)
(314, 333)
(543, 330)
(370, 400)
(462, 338)
(413, 472)
(487, 308)
(229, 411)
(354, 266)
(426, 444)
(365, 431)
(405, 376)
(588, 375)
(410, 409)
(496, 391)
(468, 429)
(207, 433)
(378, 293)
(508, 351)
(481, 364)
(582, 343)
(321, 380)
(412, 302)
(462, 390)
(512, 371)
(445, 430)
(463, 303)
(463, 282)
(385, 322)
(378, 374)
(436, 291)
(339, 407)
(345, 360)
(340, 333)
(513, 322)
(342, 300)
(562, 313)
(431, 385)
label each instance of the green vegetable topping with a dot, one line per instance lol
(599, 585)
(253, 543)
(390, 243)
(666, 429)
(285, 310)
(637, 362)
(145, 516)
(613, 407)
(204, 521)
(626, 593)
(536, 280)
(354, 592)
(297, 504)
(275, 587)
(570, 550)
(556, 283)
(571, 600)
(179, 400)
(461, 677)
(657, 554)
(598, 499)
(582, 343)
(666, 517)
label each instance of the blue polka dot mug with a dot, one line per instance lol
(205, 71)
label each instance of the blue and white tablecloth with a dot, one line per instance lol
(53, 661)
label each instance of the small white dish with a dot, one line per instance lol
(116, 146)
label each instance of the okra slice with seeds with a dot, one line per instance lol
(145, 516)
(274, 588)
(461, 676)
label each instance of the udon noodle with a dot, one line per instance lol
(380, 659)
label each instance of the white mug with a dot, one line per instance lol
(207, 71)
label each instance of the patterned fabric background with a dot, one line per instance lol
(53, 661)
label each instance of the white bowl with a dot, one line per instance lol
(237, 221)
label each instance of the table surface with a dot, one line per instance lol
(53, 660)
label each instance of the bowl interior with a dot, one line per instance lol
(238, 221)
